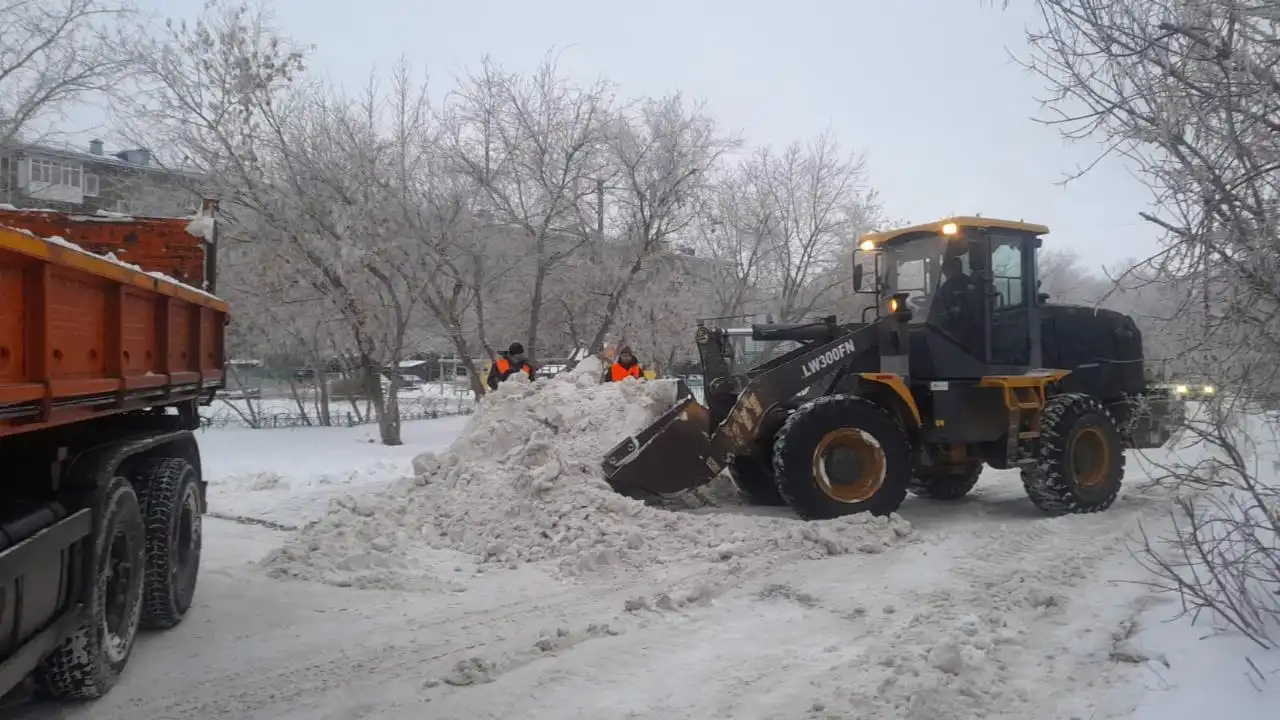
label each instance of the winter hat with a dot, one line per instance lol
(625, 350)
(515, 349)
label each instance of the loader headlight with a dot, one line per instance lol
(950, 229)
(898, 302)
(867, 246)
(1181, 389)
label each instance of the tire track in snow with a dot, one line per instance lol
(970, 623)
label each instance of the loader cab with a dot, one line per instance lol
(969, 286)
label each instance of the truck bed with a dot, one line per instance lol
(163, 245)
(82, 336)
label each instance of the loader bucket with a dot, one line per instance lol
(668, 456)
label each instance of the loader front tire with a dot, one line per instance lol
(1078, 460)
(754, 479)
(946, 483)
(840, 455)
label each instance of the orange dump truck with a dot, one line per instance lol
(110, 337)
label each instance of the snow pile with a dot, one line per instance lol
(523, 484)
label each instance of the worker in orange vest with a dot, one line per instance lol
(624, 367)
(509, 363)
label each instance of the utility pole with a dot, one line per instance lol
(1204, 284)
(599, 209)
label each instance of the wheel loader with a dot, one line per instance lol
(960, 362)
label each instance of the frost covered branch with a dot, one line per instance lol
(1188, 93)
(54, 54)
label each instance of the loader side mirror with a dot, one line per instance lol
(857, 278)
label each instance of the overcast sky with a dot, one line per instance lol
(927, 88)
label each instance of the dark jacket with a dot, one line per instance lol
(504, 367)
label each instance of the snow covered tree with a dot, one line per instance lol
(807, 203)
(535, 146)
(659, 151)
(1189, 94)
(54, 55)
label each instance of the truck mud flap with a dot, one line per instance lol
(668, 456)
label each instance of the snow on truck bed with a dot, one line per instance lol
(522, 484)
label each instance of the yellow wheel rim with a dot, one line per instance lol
(1090, 458)
(849, 466)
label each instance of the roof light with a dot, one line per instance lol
(950, 229)
(867, 245)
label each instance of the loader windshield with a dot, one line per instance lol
(937, 275)
(913, 268)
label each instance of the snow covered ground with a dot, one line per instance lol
(416, 401)
(985, 609)
(287, 477)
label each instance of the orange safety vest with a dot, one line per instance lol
(504, 367)
(618, 373)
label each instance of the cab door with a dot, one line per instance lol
(1010, 303)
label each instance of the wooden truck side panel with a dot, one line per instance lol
(81, 336)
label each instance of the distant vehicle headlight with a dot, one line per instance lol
(1181, 389)
(1209, 390)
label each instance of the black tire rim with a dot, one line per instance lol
(120, 596)
(186, 539)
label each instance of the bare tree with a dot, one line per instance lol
(1189, 93)
(732, 232)
(299, 169)
(535, 146)
(660, 151)
(54, 55)
(808, 201)
(436, 210)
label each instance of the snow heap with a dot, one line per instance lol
(523, 484)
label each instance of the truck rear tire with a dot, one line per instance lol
(754, 479)
(172, 510)
(89, 663)
(946, 483)
(1078, 461)
(840, 455)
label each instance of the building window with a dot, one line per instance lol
(53, 172)
(91, 184)
(41, 172)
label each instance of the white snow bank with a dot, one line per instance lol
(523, 484)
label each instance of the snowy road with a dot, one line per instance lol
(987, 609)
(991, 611)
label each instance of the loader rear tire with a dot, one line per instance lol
(946, 483)
(754, 479)
(841, 455)
(1078, 461)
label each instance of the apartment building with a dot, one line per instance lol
(68, 179)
